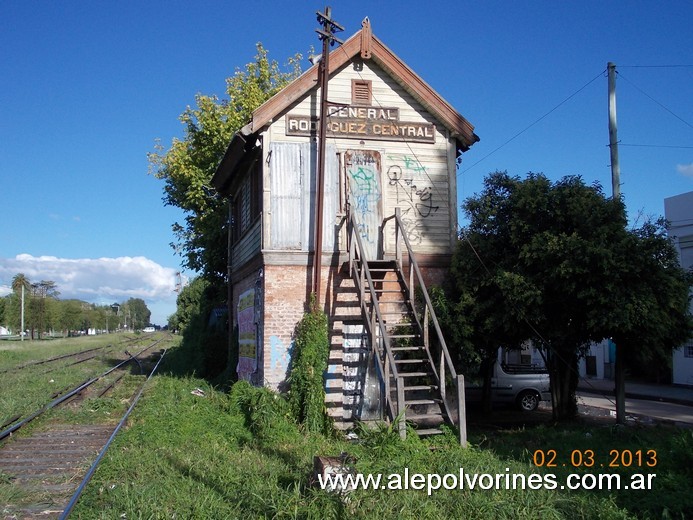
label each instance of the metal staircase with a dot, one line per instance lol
(414, 372)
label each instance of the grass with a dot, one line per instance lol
(239, 454)
(26, 387)
(669, 447)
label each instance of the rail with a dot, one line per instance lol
(65, 396)
(80, 489)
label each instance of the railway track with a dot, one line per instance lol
(50, 465)
(81, 355)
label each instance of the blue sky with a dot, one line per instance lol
(87, 87)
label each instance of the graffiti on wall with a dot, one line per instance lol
(413, 194)
(247, 335)
(280, 359)
(363, 171)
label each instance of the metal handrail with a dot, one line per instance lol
(355, 248)
(356, 239)
(413, 265)
(429, 315)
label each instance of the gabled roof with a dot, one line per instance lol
(366, 46)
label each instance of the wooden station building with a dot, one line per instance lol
(391, 152)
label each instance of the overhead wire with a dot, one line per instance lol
(620, 75)
(655, 66)
(656, 146)
(445, 200)
(601, 74)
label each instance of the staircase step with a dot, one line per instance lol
(428, 431)
(413, 388)
(415, 374)
(402, 349)
(411, 361)
(424, 416)
(414, 402)
(382, 263)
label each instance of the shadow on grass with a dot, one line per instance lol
(205, 352)
(595, 445)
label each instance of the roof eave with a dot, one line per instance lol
(222, 179)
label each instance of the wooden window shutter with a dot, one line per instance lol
(245, 205)
(361, 92)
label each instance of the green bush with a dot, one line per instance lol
(267, 414)
(309, 363)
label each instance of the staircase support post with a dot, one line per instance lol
(461, 411)
(398, 243)
(425, 327)
(401, 409)
(441, 376)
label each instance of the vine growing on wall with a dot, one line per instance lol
(309, 363)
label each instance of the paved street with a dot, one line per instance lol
(678, 413)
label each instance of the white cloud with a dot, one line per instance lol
(97, 280)
(685, 169)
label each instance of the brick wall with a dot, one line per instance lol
(286, 294)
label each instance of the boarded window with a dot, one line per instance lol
(244, 206)
(361, 92)
(292, 185)
(247, 201)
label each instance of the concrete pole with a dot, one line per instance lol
(613, 137)
(619, 366)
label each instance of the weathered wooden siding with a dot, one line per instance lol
(292, 196)
(416, 177)
(248, 246)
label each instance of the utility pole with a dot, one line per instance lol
(613, 138)
(326, 34)
(619, 365)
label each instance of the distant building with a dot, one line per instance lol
(678, 211)
(598, 362)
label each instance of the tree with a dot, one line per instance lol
(554, 263)
(190, 303)
(205, 346)
(21, 287)
(137, 312)
(188, 166)
(39, 293)
(3, 305)
(71, 316)
(652, 316)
